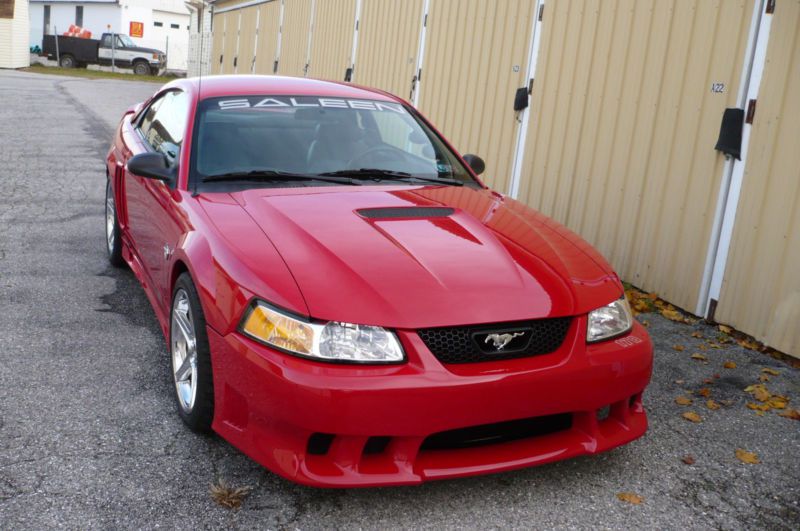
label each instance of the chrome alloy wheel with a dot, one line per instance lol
(184, 351)
(110, 219)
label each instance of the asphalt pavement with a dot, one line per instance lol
(89, 437)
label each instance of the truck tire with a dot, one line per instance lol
(67, 61)
(141, 68)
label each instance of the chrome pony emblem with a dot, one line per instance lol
(499, 341)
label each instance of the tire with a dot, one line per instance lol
(67, 61)
(113, 240)
(190, 368)
(141, 68)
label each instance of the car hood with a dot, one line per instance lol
(429, 256)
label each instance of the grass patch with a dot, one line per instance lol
(95, 74)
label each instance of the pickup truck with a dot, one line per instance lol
(74, 51)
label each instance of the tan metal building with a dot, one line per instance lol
(625, 104)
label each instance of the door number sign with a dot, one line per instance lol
(717, 88)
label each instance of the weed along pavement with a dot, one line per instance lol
(89, 437)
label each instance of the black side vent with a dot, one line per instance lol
(405, 212)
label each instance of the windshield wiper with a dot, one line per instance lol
(274, 175)
(380, 174)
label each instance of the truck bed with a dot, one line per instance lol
(83, 50)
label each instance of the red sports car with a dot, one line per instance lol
(344, 300)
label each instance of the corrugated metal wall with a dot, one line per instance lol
(388, 45)
(332, 39)
(621, 129)
(475, 59)
(620, 146)
(294, 37)
(269, 22)
(761, 289)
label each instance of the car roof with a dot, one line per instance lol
(239, 85)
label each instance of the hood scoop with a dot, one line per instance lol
(405, 212)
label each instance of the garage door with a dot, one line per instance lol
(388, 42)
(218, 39)
(295, 33)
(626, 111)
(247, 41)
(475, 58)
(332, 39)
(232, 22)
(269, 23)
(761, 289)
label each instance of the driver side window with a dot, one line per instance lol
(164, 124)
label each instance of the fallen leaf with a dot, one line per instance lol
(710, 404)
(704, 392)
(672, 315)
(747, 457)
(683, 401)
(680, 382)
(699, 357)
(773, 372)
(708, 381)
(758, 407)
(630, 497)
(777, 402)
(228, 496)
(688, 459)
(729, 364)
(679, 348)
(697, 334)
(702, 347)
(645, 323)
(692, 416)
(759, 392)
(763, 378)
(652, 296)
(714, 345)
(725, 329)
(748, 344)
(790, 414)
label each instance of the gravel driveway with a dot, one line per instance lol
(89, 437)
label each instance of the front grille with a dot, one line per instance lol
(458, 344)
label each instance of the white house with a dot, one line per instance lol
(160, 24)
(13, 28)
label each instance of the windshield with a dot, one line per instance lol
(126, 41)
(370, 140)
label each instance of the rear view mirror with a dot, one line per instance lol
(476, 163)
(152, 166)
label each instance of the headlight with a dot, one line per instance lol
(332, 341)
(609, 321)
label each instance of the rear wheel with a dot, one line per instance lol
(67, 61)
(141, 68)
(191, 357)
(113, 241)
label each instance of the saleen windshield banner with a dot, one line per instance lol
(265, 102)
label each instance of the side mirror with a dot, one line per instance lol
(151, 165)
(476, 163)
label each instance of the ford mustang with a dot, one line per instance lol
(348, 304)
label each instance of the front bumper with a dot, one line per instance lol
(374, 420)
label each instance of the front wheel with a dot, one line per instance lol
(140, 68)
(191, 357)
(113, 241)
